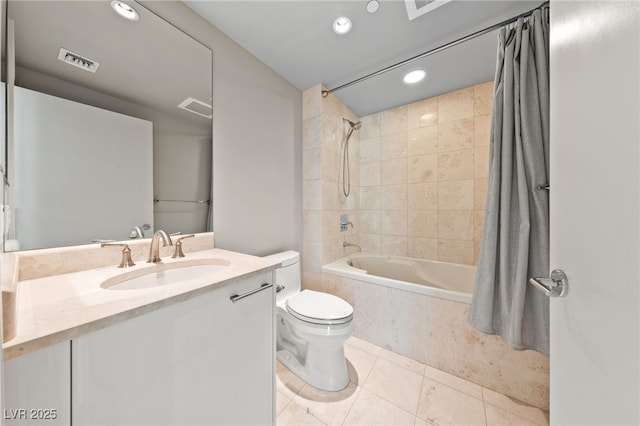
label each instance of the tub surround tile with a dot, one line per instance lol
(393, 197)
(394, 245)
(370, 198)
(370, 126)
(455, 135)
(483, 98)
(481, 162)
(393, 120)
(370, 174)
(456, 251)
(369, 150)
(393, 146)
(482, 130)
(393, 171)
(422, 168)
(480, 191)
(422, 113)
(311, 99)
(422, 141)
(423, 248)
(455, 165)
(393, 222)
(370, 221)
(422, 196)
(456, 195)
(312, 164)
(370, 243)
(312, 133)
(456, 105)
(423, 223)
(456, 224)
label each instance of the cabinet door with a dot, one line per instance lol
(37, 387)
(206, 360)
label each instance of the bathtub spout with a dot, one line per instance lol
(346, 244)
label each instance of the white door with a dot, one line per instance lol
(595, 221)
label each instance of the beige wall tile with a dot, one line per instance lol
(312, 133)
(393, 222)
(330, 164)
(456, 165)
(481, 162)
(422, 168)
(455, 135)
(422, 223)
(331, 133)
(370, 174)
(312, 164)
(369, 150)
(422, 196)
(423, 248)
(393, 197)
(422, 141)
(370, 243)
(312, 194)
(482, 130)
(331, 196)
(456, 224)
(478, 225)
(370, 197)
(370, 221)
(370, 126)
(456, 251)
(393, 171)
(455, 105)
(312, 256)
(483, 98)
(455, 195)
(393, 146)
(312, 225)
(423, 113)
(311, 99)
(393, 120)
(393, 245)
(480, 188)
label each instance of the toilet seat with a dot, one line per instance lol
(319, 308)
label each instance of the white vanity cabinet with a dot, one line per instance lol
(37, 388)
(206, 360)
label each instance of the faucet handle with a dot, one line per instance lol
(126, 254)
(178, 246)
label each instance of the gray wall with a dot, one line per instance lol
(257, 143)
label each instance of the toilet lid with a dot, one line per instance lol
(319, 308)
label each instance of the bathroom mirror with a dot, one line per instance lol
(112, 126)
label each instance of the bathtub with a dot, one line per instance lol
(428, 277)
(420, 309)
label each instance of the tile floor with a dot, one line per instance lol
(390, 389)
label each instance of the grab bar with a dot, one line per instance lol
(237, 297)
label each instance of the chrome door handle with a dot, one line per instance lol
(556, 285)
(237, 297)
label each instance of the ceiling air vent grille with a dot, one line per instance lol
(197, 107)
(77, 60)
(416, 8)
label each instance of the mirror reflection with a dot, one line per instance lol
(111, 127)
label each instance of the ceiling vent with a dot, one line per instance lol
(78, 61)
(197, 107)
(416, 8)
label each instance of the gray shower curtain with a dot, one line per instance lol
(515, 240)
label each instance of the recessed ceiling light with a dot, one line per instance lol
(342, 25)
(372, 6)
(414, 76)
(124, 10)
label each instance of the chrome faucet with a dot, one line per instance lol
(346, 244)
(154, 250)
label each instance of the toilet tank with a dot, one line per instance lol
(288, 275)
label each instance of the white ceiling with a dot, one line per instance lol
(296, 39)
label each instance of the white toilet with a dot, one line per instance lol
(311, 328)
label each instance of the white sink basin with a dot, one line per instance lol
(161, 274)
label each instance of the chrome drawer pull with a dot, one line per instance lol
(237, 297)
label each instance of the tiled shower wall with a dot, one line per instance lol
(423, 176)
(322, 200)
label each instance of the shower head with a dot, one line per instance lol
(354, 126)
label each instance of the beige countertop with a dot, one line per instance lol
(56, 308)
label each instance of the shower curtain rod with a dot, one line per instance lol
(436, 50)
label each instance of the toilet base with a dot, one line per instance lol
(322, 369)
